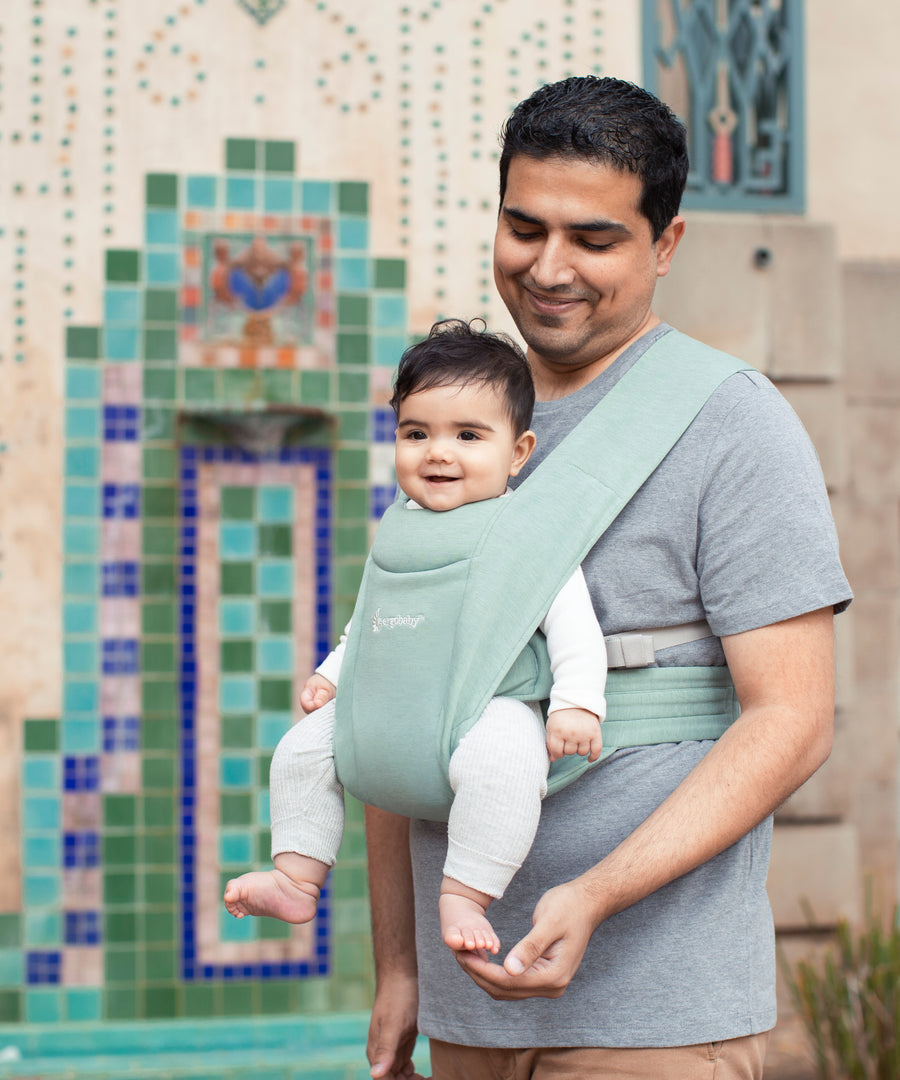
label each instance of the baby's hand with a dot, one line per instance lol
(573, 731)
(317, 691)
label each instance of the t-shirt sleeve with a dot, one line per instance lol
(767, 546)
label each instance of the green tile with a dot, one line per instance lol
(238, 503)
(279, 156)
(160, 540)
(275, 694)
(273, 930)
(237, 999)
(158, 812)
(353, 311)
(352, 503)
(263, 848)
(159, 384)
(119, 811)
(353, 387)
(160, 965)
(239, 387)
(83, 342)
(10, 1006)
(315, 387)
(351, 540)
(352, 348)
(353, 197)
(122, 1005)
(41, 736)
(118, 850)
(158, 423)
(240, 154)
(353, 425)
(352, 464)
(159, 888)
(159, 501)
(10, 931)
(237, 656)
(161, 305)
(200, 385)
(235, 809)
(276, 540)
(275, 617)
(158, 618)
(161, 190)
(119, 889)
(160, 463)
(158, 849)
(279, 386)
(158, 579)
(200, 1001)
(347, 577)
(263, 765)
(237, 578)
(121, 965)
(390, 274)
(158, 695)
(158, 774)
(123, 265)
(120, 927)
(237, 732)
(160, 344)
(276, 996)
(158, 658)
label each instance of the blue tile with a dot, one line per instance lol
(121, 306)
(389, 313)
(81, 773)
(161, 226)
(316, 196)
(12, 968)
(40, 889)
(121, 423)
(352, 234)
(388, 349)
(235, 848)
(201, 192)
(79, 618)
(80, 657)
(81, 849)
(120, 656)
(237, 540)
(82, 500)
(237, 693)
(81, 736)
(43, 928)
(122, 343)
(235, 771)
(82, 422)
(353, 274)
(79, 695)
(42, 1006)
(43, 967)
(121, 501)
(82, 928)
(82, 462)
(270, 726)
(162, 268)
(40, 813)
(275, 656)
(121, 733)
(278, 196)
(83, 1004)
(80, 578)
(276, 504)
(40, 772)
(83, 383)
(121, 579)
(80, 539)
(237, 617)
(275, 577)
(240, 193)
(40, 853)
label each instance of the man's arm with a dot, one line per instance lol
(392, 1030)
(784, 677)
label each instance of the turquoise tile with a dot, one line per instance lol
(271, 726)
(275, 577)
(40, 812)
(81, 539)
(235, 848)
(237, 540)
(235, 772)
(162, 268)
(41, 852)
(240, 193)
(316, 196)
(11, 973)
(40, 773)
(83, 422)
(390, 313)
(276, 504)
(388, 349)
(83, 462)
(236, 930)
(79, 618)
(83, 383)
(237, 617)
(42, 1006)
(278, 196)
(83, 1003)
(161, 226)
(82, 500)
(40, 890)
(43, 928)
(263, 816)
(80, 657)
(275, 656)
(201, 192)
(80, 735)
(121, 306)
(353, 234)
(123, 343)
(80, 578)
(353, 273)
(237, 693)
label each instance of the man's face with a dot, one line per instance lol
(576, 264)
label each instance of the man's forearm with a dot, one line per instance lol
(391, 893)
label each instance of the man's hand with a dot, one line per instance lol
(392, 1030)
(573, 731)
(543, 963)
(317, 691)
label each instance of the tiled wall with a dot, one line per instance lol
(203, 575)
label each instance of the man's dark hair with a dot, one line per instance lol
(609, 122)
(457, 353)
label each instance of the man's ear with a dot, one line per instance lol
(667, 243)
(522, 451)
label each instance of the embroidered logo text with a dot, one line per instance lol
(394, 622)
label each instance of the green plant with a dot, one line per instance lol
(850, 1003)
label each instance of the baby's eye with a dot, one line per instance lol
(414, 434)
(468, 436)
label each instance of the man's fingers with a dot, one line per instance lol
(522, 955)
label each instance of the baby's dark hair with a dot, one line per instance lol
(457, 353)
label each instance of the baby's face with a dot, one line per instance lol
(456, 445)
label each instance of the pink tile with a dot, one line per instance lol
(120, 695)
(121, 462)
(120, 772)
(120, 538)
(82, 888)
(120, 616)
(82, 965)
(81, 811)
(123, 384)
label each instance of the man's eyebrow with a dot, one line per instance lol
(595, 225)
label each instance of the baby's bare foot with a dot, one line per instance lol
(272, 893)
(464, 925)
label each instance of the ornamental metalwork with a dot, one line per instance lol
(733, 71)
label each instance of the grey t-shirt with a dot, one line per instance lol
(735, 526)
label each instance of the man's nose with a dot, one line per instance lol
(552, 266)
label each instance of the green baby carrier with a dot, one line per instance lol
(450, 603)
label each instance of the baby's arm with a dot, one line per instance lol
(321, 687)
(578, 663)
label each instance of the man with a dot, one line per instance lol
(646, 883)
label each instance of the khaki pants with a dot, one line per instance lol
(733, 1059)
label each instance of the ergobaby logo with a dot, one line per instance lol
(394, 622)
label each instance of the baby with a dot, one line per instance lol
(463, 401)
